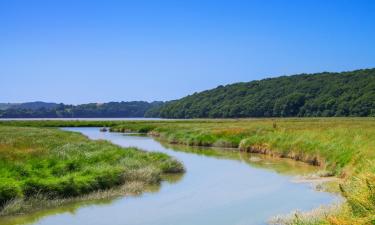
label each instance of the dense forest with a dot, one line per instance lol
(53, 110)
(304, 95)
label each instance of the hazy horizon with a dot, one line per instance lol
(78, 52)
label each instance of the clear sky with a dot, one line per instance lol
(76, 51)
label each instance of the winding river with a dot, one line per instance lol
(220, 187)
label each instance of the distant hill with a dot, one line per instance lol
(28, 105)
(4, 106)
(304, 95)
(53, 110)
(35, 105)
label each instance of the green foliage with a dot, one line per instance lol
(360, 195)
(304, 95)
(92, 110)
(61, 164)
(9, 189)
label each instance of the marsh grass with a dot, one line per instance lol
(44, 166)
(313, 217)
(39, 201)
(343, 147)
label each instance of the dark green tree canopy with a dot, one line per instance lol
(322, 94)
(52, 110)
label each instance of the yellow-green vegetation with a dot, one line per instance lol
(344, 147)
(44, 166)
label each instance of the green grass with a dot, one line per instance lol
(59, 164)
(337, 144)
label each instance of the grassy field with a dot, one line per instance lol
(42, 167)
(342, 147)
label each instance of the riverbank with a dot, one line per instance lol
(342, 147)
(47, 167)
(221, 187)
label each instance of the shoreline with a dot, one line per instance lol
(19, 207)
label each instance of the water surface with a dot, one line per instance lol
(220, 187)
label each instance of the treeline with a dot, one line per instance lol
(305, 95)
(92, 110)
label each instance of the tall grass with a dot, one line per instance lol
(58, 164)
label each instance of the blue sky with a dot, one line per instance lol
(99, 51)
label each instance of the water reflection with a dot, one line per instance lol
(280, 165)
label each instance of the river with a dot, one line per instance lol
(220, 187)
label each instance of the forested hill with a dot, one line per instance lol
(322, 94)
(53, 110)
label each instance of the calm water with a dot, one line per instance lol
(221, 187)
